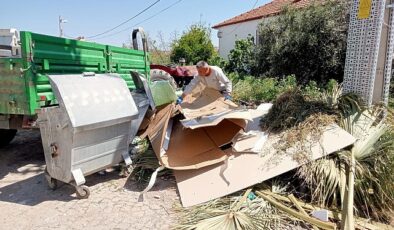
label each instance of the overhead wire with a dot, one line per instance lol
(147, 19)
(113, 28)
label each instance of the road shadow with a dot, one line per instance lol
(23, 155)
(34, 190)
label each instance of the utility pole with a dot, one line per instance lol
(61, 20)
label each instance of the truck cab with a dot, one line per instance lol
(9, 43)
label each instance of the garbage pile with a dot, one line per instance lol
(216, 148)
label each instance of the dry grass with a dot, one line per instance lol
(299, 120)
(292, 109)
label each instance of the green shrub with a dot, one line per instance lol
(287, 83)
(234, 77)
(331, 85)
(310, 43)
(216, 60)
(243, 90)
(258, 90)
(266, 89)
(312, 90)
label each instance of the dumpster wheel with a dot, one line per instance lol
(52, 182)
(82, 192)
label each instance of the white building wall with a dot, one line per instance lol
(229, 34)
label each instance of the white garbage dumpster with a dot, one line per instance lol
(89, 130)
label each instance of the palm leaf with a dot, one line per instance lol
(220, 214)
(374, 157)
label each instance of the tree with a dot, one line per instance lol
(158, 50)
(310, 43)
(242, 59)
(194, 45)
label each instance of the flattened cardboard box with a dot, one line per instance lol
(246, 169)
(190, 148)
(204, 103)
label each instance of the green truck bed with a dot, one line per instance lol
(24, 85)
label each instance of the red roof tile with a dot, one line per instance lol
(264, 11)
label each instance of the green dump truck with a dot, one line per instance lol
(28, 59)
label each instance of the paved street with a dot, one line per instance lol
(26, 202)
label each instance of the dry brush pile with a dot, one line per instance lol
(321, 183)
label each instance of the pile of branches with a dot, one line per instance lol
(299, 120)
(294, 110)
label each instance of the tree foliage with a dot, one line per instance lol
(242, 59)
(310, 43)
(216, 60)
(194, 45)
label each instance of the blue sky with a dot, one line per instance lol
(89, 17)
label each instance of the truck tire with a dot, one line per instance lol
(6, 136)
(161, 75)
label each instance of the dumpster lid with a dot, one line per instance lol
(93, 99)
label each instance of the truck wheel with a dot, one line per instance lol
(161, 75)
(6, 136)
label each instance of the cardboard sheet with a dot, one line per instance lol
(193, 149)
(190, 148)
(210, 124)
(205, 103)
(157, 128)
(244, 170)
(252, 139)
(213, 120)
(250, 142)
(208, 108)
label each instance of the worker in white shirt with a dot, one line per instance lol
(210, 76)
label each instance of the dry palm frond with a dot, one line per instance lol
(279, 187)
(144, 161)
(325, 178)
(228, 213)
(374, 155)
(374, 186)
